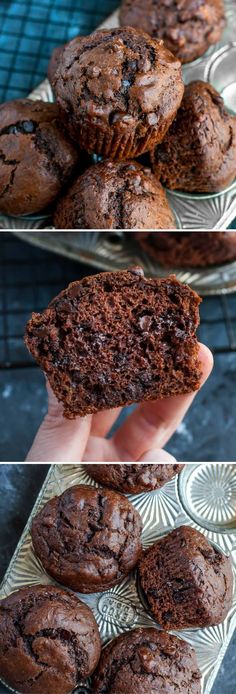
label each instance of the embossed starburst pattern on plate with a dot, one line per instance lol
(188, 499)
(208, 494)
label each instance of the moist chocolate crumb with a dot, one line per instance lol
(187, 581)
(96, 355)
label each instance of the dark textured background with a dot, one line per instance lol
(29, 278)
(19, 486)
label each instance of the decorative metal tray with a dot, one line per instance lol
(204, 496)
(192, 211)
(117, 250)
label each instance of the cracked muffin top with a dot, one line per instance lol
(147, 661)
(118, 91)
(135, 478)
(188, 27)
(187, 582)
(88, 539)
(36, 157)
(198, 153)
(115, 195)
(49, 640)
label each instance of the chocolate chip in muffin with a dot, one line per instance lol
(49, 640)
(186, 581)
(118, 91)
(199, 151)
(36, 157)
(146, 661)
(187, 27)
(88, 539)
(116, 338)
(115, 195)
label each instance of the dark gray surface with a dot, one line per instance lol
(29, 278)
(19, 485)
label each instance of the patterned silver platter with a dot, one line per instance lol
(204, 496)
(192, 211)
(117, 250)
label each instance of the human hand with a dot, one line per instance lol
(139, 439)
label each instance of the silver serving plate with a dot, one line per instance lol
(204, 497)
(192, 211)
(117, 250)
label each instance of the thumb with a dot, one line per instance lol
(59, 440)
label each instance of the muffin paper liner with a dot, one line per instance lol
(204, 497)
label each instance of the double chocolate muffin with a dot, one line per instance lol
(190, 249)
(188, 27)
(54, 62)
(49, 640)
(186, 581)
(118, 91)
(116, 338)
(36, 160)
(198, 153)
(133, 479)
(145, 661)
(88, 539)
(115, 195)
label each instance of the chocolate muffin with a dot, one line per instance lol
(49, 640)
(54, 62)
(115, 338)
(118, 91)
(186, 581)
(188, 27)
(37, 159)
(88, 539)
(133, 479)
(145, 661)
(115, 195)
(199, 151)
(190, 249)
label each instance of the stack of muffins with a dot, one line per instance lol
(119, 95)
(89, 539)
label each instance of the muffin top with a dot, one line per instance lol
(187, 27)
(116, 77)
(36, 156)
(88, 539)
(189, 249)
(49, 640)
(187, 581)
(115, 195)
(54, 62)
(199, 150)
(145, 661)
(133, 478)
